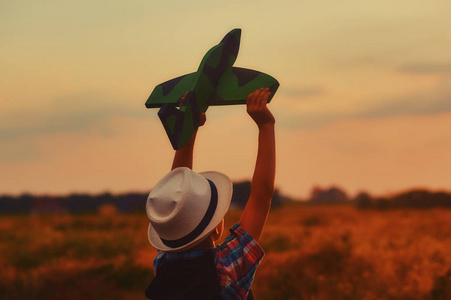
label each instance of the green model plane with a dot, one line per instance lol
(216, 82)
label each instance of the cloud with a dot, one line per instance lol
(21, 150)
(80, 112)
(92, 112)
(423, 103)
(427, 68)
(427, 102)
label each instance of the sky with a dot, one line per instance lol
(364, 101)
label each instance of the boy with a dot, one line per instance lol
(186, 212)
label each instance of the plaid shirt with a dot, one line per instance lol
(236, 262)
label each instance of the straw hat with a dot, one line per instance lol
(184, 207)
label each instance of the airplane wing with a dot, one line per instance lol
(233, 87)
(237, 83)
(171, 91)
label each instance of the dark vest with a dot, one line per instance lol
(187, 279)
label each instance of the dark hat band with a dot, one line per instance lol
(203, 223)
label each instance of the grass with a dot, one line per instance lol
(322, 252)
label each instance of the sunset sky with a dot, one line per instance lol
(364, 101)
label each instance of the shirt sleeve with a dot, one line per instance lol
(236, 261)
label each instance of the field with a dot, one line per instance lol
(312, 252)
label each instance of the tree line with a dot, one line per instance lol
(416, 198)
(123, 203)
(136, 202)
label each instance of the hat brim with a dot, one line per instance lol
(225, 188)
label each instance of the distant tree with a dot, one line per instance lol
(382, 203)
(48, 205)
(105, 198)
(81, 203)
(242, 191)
(328, 195)
(91, 204)
(22, 204)
(363, 200)
(278, 200)
(422, 199)
(132, 202)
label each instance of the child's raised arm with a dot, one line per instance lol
(184, 156)
(262, 188)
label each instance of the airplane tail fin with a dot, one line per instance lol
(172, 120)
(180, 124)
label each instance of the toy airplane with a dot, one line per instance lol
(216, 82)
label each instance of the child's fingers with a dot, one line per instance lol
(250, 100)
(261, 92)
(183, 99)
(249, 97)
(184, 96)
(258, 95)
(263, 97)
(202, 119)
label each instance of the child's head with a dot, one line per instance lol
(186, 208)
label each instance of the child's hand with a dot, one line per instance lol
(202, 117)
(257, 109)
